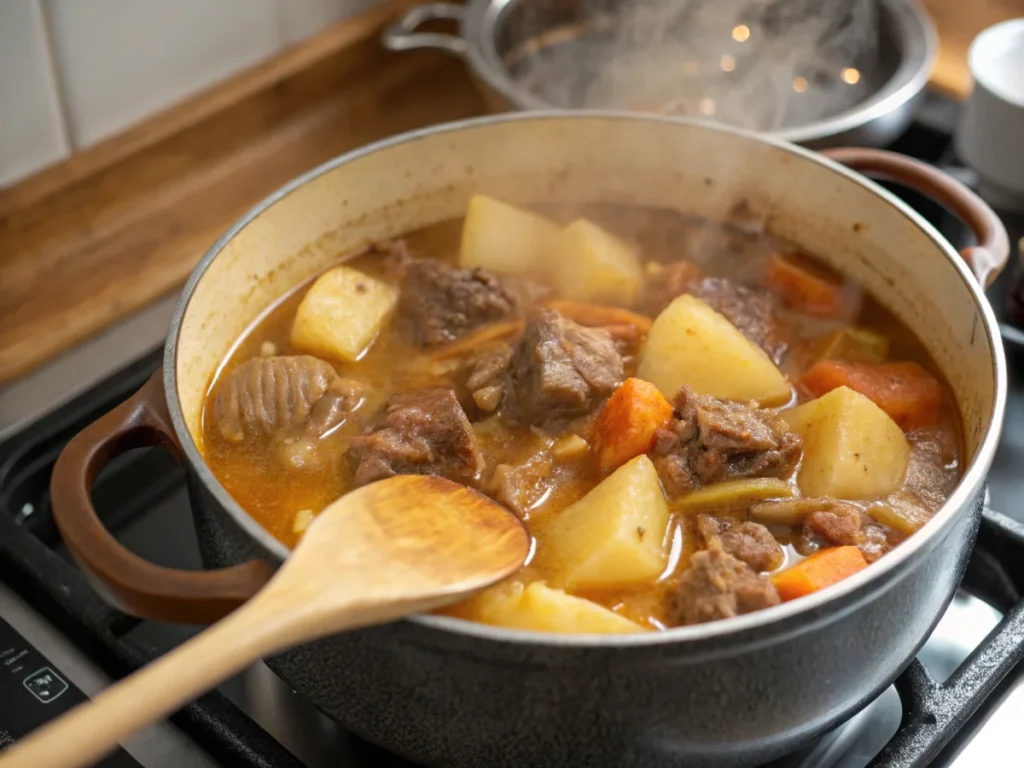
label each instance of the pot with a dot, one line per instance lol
(534, 54)
(444, 691)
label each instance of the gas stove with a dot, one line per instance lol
(958, 704)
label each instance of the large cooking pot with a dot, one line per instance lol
(539, 54)
(448, 692)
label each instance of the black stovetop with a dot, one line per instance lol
(142, 499)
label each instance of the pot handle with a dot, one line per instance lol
(988, 257)
(402, 35)
(132, 584)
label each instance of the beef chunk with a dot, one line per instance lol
(424, 432)
(275, 396)
(440, 303)
(750, 542)
(710, 441)
(717, 586)
(561, 369)
(523, 486)
(490, 366)
(486, 380)
(753, 312)
(842, 524)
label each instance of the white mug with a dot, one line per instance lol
(990, 138)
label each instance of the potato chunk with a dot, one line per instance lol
(540, 608)
(691, 344)
(852, 449)
(591, 264)
(341, 314)
(614, 536)
(505, 239)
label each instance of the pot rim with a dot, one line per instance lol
(915, 29)
(901, 557)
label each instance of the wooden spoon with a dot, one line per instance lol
(404, 545)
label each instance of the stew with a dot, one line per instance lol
(695, 420)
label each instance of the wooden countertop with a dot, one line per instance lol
(114, 227)
(87, 242)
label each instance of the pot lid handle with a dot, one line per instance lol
(402, 35)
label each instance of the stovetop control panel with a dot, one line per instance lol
(33, 692)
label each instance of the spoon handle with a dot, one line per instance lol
(281, 616)
(94, 728)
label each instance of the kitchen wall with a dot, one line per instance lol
(75, 72)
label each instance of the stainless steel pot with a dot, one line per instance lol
(449, 692)
(495, 35)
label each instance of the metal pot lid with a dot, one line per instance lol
(799, 69)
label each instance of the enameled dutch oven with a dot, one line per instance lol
(443, 691)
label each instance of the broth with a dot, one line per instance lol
(546, 465)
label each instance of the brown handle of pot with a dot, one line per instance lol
(988, 257)
(132, 584)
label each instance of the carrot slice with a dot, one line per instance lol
(628, 422)
(595, 315)
(907, 392)
(820, 570)
(804, 287)
(477, 338)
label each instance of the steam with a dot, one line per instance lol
(759, 64)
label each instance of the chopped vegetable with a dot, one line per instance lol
(853, 345)
(505, 239)
(591, 264)
(540, 608)
(733, 495)
(596, 543)
(796, 510)
(478, 338)
(341, 314)
(852, 449)
(627, 425)
(790, 511)
(805, 287)
(902, 512)
(907, 392)
(820, 570)
(690, 344)
(570, 448)
(487, 399)
(596, 315)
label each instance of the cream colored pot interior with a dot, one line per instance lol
(428, 177)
